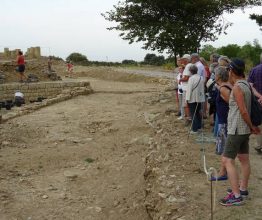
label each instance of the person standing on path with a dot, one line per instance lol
(21, 66)
(70, 68)
(255, 80)
(49, 65)
(195, 97)
(239, 129)
(185, 61)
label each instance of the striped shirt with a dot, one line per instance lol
(236, 124)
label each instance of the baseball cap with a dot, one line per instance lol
(237, 65)
(186, 56)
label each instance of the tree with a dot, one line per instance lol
(207, 50)
(251, 52)
(76, 57)
(231, 50)
(129, 62)
(153, 59)
(257, 18)
(175, 26)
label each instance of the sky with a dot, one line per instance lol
(61, 27)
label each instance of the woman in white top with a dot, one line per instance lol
(195, 96)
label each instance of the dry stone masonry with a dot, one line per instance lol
(32, 91)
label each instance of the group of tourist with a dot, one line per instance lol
(222, 88)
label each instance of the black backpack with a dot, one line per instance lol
(212, 94)
(256, 109)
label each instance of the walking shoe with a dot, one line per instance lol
(180, 118)
(231, 200)
(193, 132)
(218, 178)
(243, 193)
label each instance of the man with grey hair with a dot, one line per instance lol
(195, 96)
(195, 59)
(255, 80)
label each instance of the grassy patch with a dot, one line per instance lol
(89, 160)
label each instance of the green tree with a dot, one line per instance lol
(231, 50)
(153, 59)
(257, 18)
(251, 52)
(77, 58)
(207, 50)
(175, 26)
(129, 62)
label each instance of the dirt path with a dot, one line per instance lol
(115, 154)
(79, 159)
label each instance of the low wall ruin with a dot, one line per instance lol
(48, 90)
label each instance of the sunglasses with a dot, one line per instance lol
(229, 67)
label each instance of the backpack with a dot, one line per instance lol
(212, 93)
(256, 109)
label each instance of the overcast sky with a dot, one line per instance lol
(61, 27)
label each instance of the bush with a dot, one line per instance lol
(129, 62)
(169, 66)
(77, 58)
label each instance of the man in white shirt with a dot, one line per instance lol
(19, 98)
(195, 59)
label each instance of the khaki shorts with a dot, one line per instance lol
(236, 144)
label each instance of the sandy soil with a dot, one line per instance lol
(119, 153)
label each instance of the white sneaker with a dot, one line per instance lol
(180, 118)
(193, 132)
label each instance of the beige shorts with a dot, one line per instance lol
(184, 102)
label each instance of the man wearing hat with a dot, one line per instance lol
(255, 80)
(239, 129)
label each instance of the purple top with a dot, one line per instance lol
(255, 77)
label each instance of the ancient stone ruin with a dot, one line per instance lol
(31, 53)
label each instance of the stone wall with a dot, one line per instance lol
(42, 89)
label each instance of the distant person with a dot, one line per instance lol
(255, 80)
(49, 64)
(70, 68)
(19, 98)
(21, 66)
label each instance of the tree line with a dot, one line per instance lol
(250, 52)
